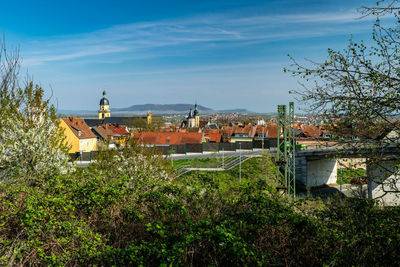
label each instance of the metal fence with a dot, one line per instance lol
(194, 148)
(189, 148)
(227, 147)
(211, 147)
(261, 144)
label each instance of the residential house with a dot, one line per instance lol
(242, 133)
(213, 136)
(114, 135)
(79, 137)
(169, 138)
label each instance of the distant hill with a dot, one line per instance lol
(75, 112)
(160, 109)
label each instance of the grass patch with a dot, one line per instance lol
(227, 182)
(348, 174)
(199, 163)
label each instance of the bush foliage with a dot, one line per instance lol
(97, 216)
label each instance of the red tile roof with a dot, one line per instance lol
(227, 130)
(213, 137)
(271, 131)
(169, 138)
(103, 131)
(79, 127)
(212, 131)
(106, 131)
(312, 131)
(261, 129)
(118, 129)
(243, 130)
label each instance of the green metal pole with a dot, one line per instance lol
(285, 143)
(292, 152)
(286, 154)
(240, 163)
(278, 144)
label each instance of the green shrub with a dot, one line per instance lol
(97, 216)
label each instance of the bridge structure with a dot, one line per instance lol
(317, 167)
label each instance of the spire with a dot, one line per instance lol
(104, 100)
(104, 110)
(195, 112)
(190, 114)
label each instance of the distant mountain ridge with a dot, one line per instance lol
(163, 107)
(156, 109)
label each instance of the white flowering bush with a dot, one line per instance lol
(142, 170)
(30, 141)
(28, 150)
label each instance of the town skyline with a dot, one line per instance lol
(221, 54)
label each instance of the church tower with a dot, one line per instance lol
(196, 116)
(190, 120)
(149, 117)
(104, 110)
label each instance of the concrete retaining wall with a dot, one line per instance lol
(384, 182)
(321, 172)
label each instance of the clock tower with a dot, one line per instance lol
(104, 110)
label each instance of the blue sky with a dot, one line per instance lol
(224, 54)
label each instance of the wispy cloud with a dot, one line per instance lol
(199, 69)
(141, 38)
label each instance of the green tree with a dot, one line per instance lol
(356, 91)
(139, 124)
(31, 145)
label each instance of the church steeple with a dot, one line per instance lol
(196, 116)
(195, 112)
(104, 110)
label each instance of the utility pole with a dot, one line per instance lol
(291, 154)
(341, 176)
(223, 158)
(263, 140)
(280, 161)
(240, 163)
(285, 154)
